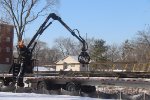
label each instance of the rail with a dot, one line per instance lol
(91, 74)
(121, 66)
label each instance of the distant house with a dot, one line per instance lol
(70, 63)
(6, 46)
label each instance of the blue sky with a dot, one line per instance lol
(111, 20)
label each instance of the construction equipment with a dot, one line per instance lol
(24, 62)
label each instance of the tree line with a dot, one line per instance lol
(134, 50)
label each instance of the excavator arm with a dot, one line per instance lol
(83, 58)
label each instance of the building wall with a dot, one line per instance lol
(71, 63)
(73, 67)
(6, 46)
(59, 67)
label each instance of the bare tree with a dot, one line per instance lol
(67, 46)
(143, 45)
(144, 37)
(113, 53)
(138, 48)
(128, 51)
(23, 12)
(52, 55)
(43, 53)
(39, 46)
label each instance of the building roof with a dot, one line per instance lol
(68, 59)
(5, 23)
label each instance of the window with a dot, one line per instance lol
(7, 49)
(8, 29)
(7, 39)
(11, 31)
(7, 60)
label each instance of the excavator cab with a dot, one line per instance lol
(22, 65)
(25, 57)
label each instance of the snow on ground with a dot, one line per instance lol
(33, 96)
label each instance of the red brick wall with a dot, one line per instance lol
(6, 43)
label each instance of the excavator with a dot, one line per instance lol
(24, 63)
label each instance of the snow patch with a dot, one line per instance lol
(33, 96)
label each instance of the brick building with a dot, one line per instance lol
(6, 46)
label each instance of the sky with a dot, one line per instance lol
(111, 20)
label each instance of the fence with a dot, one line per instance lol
(121, 66)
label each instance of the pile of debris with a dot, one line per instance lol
(123, 93)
